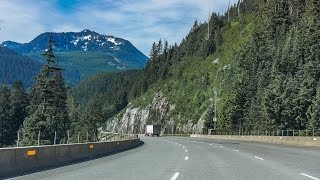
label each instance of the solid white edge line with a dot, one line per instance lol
(221, 146)
(175, 176)
(311, 177)
(236, 150)
(259, 158)
(186, 158)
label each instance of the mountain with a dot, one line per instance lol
(14, 66)
(258, 72)
(84, 53)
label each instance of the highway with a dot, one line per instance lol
(175, 158)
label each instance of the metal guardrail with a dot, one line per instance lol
(287, 132)
(76, 138)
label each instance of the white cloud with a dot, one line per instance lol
(141, 22)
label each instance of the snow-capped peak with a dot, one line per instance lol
(86, 30)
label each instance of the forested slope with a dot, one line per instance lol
(262, 58)
(15, 66)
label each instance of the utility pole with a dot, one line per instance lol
(215, 109)
(229, 12)
(208, 34)
(239, 2)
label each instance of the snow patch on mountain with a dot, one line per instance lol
(110, 39)
(87, 37)
(75, 42)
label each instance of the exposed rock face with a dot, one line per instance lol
(134, 119)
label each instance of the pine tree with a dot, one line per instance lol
(74, 115)
(93, 118)
(47, 110)
(314, 112)
(7, 132)
(19, 103)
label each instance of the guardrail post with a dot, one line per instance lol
(18, 138)
(68, 138)
(55, 138)
(78, 137)
(39, 138)
(87, 137)
(313, 133)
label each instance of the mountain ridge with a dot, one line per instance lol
(84, 53)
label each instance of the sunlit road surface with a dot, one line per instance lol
(170, 158)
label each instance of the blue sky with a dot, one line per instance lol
(140, 21)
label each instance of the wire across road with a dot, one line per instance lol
(170, 158)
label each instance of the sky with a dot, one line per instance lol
(142, 22)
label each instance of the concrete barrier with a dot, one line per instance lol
(14, 161)
(288, 140)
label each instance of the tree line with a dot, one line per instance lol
(48, 111)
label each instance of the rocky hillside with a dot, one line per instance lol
(134, 119)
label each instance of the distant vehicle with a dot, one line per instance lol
(153, 130)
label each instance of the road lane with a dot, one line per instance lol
(156, 159)
(215, 162)
(167, 158)
(287, 159)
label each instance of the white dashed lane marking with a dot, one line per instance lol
(258, 158)
(311, 177)
(175, 176)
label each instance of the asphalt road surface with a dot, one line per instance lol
(172, 158)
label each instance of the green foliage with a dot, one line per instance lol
(47, 111)
(14, 66)
(263, 60)
(6, 121)
(19, 103)
(94, 117)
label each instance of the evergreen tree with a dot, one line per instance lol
(7, 133)
(314, 112)
(74, 115)
(93, 118)
(19, 103)
(47, 110)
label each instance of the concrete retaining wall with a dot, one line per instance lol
(289, 140)
(20, 160)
